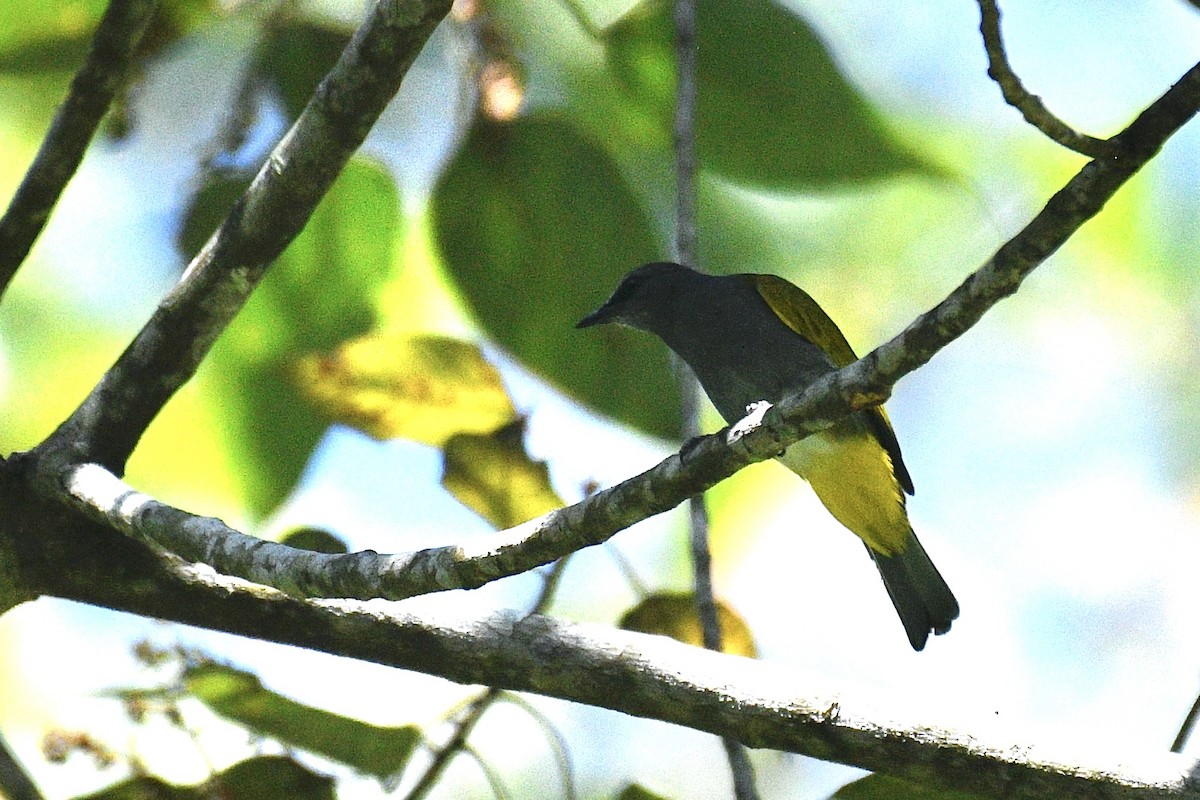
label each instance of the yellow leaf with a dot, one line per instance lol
(674, 614)
(425, 388)
(493, 476)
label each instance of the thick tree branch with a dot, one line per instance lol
(710, 460)
(1030, 105)
(757, 703)
(296, 175)
(99, 79)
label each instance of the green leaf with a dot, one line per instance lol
(145, 787)
(66, 28)
(881, 787)
(273, 777)
(424, 388)
(674, 614)
(320, 292)
(537, 226)
(318, 540)
(636, 791)
(240, 696)
(773, 110)
(260, 778)
(493, 476)
(295, 55)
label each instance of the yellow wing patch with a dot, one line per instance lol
(802, 314)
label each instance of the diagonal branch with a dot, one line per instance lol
(868, 381)
(1030, 105)
(97, 82)
(217, 283)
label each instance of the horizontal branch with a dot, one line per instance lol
(102, 75)
(758, 703)
(868, 381)
(268, 216)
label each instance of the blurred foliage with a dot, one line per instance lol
(294, 55)
(260, 778)
(424, 388)
(773, 111)
(881, 787)
(45, 43)
(674, 614)
(536, 225)
(537, 203)
(492, 475)
(637, 792)
(319, 293)
(240, 696)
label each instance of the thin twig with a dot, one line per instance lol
(1185, 730)
(99, 79)
(457, 742)
(1030, 105)
(690, 393)
(455, 745)
(557, 741)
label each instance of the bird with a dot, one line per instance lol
(753, 338)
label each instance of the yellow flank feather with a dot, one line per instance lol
(801, 313)
(853, 476)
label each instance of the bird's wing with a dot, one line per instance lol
(801, 313)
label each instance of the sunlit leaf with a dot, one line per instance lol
(881, 787)
(537, 226)
(317, 540)
(252, 779)
(493, 476)
(425, 388)
(773, 110)
(240, 696)
(320, 292)
(674, 615)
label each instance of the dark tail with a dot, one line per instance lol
(921, 597)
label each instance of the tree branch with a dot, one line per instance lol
(757, 703)
(288, 187)
(708, 461)
(99, 79)
(1030, 105)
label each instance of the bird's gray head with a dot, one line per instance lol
(642, 296)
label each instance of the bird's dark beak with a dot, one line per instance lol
(600, 316)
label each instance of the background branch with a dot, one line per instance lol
(689, 388)
(273, 210)
(1030, 105)
(99, 79)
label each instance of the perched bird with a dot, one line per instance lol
(752, 338)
